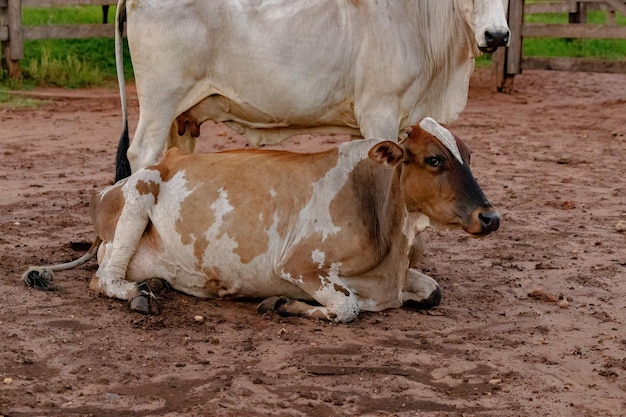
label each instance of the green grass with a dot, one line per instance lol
(576, 48)
(579, 48)
(8, 101)
(71, 63)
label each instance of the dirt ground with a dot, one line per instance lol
(552, 159)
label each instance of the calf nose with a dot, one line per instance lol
(490, 221)
(497, 38)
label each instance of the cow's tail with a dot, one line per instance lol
(40, 277)
(122, 165)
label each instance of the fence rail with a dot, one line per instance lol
(510, 62)
(13, 34)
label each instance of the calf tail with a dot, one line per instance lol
(39, 277)
(122, 165)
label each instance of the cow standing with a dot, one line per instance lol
(273, 69)
(339, 234)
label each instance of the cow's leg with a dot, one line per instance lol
(149, 139)
(378, 118)
(417, 251)
(114, 257)
(337, 302)
(158, 111)
(146, 301)
(421, 291)
(290, 307)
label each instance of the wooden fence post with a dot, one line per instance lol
(12, 43)
(507, 63)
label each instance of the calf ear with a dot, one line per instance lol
(386, 154)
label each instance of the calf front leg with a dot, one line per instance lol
(421, 291)
(337, 302)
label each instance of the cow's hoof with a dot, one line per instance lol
(145, 302)
(38, 278)
(141, 304)
(271, 304)
(433, 300)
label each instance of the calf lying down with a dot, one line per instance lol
(320, 235)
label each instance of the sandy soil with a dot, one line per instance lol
(551, 157)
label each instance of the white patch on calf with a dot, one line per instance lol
(220, 249)
(345, 307)
(287, 277)
(315, 216)
(445, 137)
(221, 206)
(318, 257)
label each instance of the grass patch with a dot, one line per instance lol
(69, 71)
(70, 63)
(577, 48)
(8, 101)
(64, 15)
(574, 48)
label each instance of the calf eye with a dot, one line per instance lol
(434, 161)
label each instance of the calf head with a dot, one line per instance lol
(435, 178)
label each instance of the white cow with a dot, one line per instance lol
(271, 69)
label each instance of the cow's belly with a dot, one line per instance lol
(273, 115)
(222, 277)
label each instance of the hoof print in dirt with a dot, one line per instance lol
(271, 304)
(38, 278)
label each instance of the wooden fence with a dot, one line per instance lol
(509, 62)
(13, 34)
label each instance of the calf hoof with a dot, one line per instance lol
(271, 304)
(141, 304)
(145, 301)
(38, 278)
(433, 300)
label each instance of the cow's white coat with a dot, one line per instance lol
(272, 69)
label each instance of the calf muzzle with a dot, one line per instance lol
(484, 220)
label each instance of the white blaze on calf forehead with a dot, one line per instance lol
(444, 136)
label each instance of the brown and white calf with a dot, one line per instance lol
(322, 235)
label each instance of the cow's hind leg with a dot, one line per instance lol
(146, 300)
(421, 291)
(114, 257)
